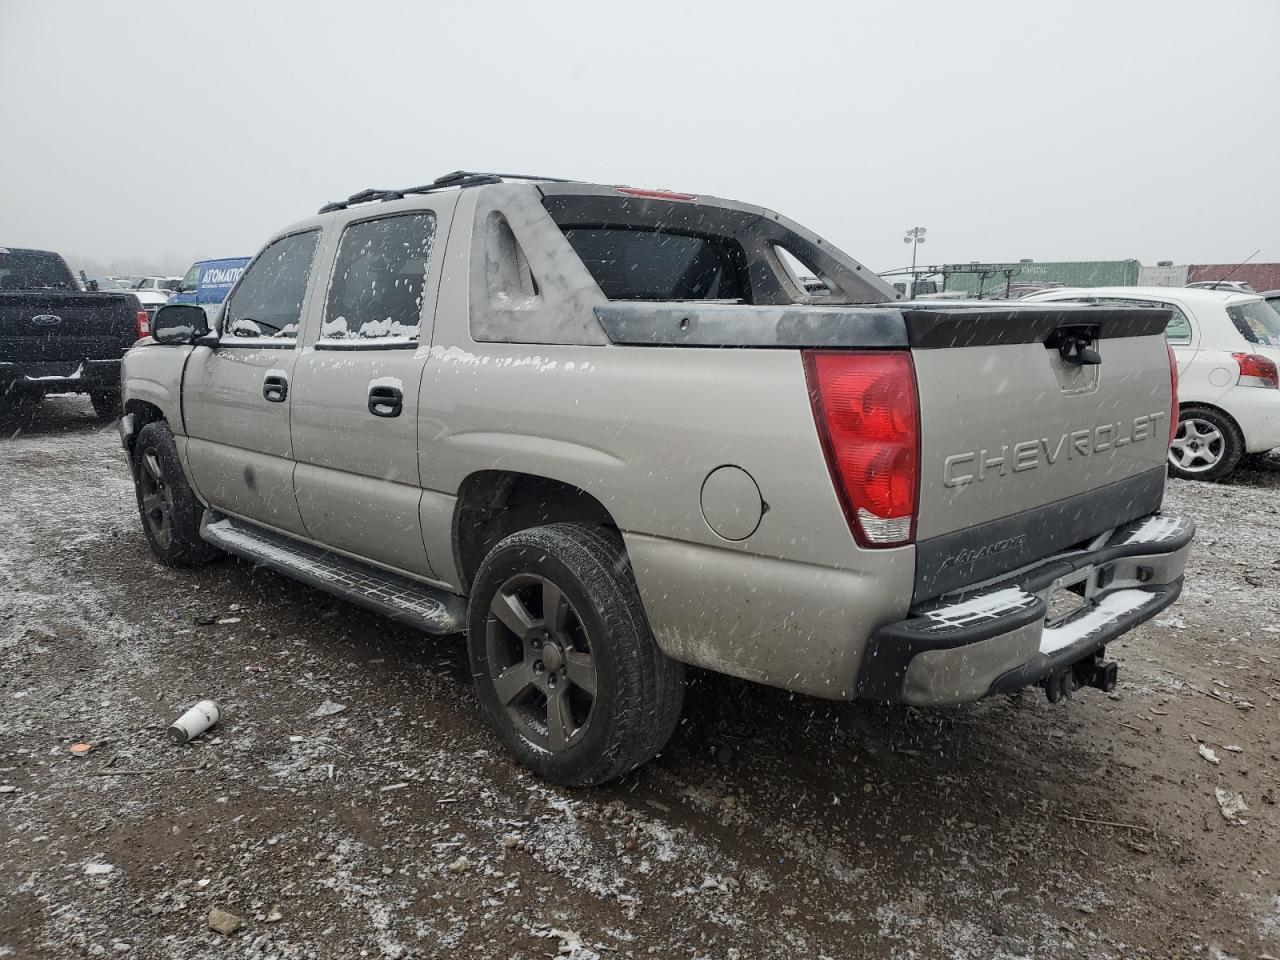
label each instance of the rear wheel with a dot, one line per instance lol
(564, 662)
(106, 404)
(169, 509)
(1207, 446)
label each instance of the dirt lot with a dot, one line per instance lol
(773, 826)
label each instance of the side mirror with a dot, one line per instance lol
(181, 323)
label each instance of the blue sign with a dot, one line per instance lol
(209, 281)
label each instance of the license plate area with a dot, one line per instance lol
(1069, 596)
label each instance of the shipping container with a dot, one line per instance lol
(1163, 275)
(1261, 276)
(992, 279)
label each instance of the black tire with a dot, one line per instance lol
(169, 509)
(106, 404)
(636, 691)
(1208, 445)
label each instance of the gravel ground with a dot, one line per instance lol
(773, 826)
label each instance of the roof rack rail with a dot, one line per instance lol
(459, 179)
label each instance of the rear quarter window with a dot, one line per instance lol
(1178, 329)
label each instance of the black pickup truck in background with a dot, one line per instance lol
(57, 338)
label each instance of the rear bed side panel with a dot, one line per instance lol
(640, 430)
(1018, 428)
(790, 625)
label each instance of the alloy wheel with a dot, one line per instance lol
(540, 662)
(1197, 447)
(157, 499)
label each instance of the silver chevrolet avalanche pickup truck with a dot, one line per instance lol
(610, 432)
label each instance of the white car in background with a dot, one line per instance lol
(165, 285)
(151, 300)
(1227, 345)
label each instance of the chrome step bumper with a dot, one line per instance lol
(1000, 637)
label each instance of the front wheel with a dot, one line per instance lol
(169, 509)
(564, 662)
(1207, 446)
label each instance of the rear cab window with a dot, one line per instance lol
(265, 308)
(379, 274)
(650, 248)
(651, 264)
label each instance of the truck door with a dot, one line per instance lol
(355, 401)
(237, 395)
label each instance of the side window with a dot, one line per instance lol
(375, 294)
(267, 305)
(1179, 327)
(190, 281)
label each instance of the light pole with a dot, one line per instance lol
(915, 237)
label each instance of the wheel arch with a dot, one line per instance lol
(493, 504)
(143, 412)
(1214, 409)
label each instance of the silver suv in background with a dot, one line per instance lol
(610, 432)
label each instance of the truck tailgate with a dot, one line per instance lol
(47, 327)
(1023, 452)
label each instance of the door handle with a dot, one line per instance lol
(386, 401)
(275, 387)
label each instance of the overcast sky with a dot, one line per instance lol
(1060, 129)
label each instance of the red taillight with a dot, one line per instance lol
(1173, 394)
(868, 418)
(144, 324)
(656, 194)
(1256, 371)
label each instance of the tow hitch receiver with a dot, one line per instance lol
(1092, 671)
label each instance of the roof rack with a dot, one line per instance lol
(458, 179)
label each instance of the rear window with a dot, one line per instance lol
(657, 248)
(639, 264)
(1257, 322)
(33, 271)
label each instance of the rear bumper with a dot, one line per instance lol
(58, 376)
(1000, 637)
(1257, 411)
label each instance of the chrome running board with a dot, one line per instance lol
(394, 596)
